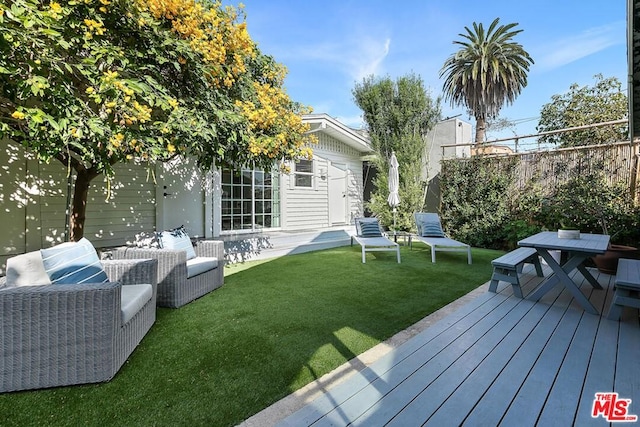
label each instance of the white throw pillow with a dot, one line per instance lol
(177, 239)
(26, 270)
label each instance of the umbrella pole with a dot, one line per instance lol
(394, 221)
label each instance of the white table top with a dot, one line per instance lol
(591, 243)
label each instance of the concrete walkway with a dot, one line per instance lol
(242, 247)
(288, 405)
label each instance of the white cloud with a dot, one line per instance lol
(368, 57)
(357, 57)
(578, 46)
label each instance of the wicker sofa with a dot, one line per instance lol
(63, 334)
(181, 281)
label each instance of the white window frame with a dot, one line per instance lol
(310, 174)
(237, 211)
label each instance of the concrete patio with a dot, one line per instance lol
(240, 247)
(489, 359)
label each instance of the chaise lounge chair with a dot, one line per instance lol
(430, 233)
(369, 236)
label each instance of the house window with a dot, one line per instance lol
(250, 200)
(303, 173)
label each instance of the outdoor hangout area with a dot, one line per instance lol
(269, 348)
(186, 243)
(262, 335)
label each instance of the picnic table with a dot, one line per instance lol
(579, 250)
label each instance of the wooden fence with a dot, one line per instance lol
(619, 162)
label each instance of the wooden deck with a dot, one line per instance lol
(499, 360)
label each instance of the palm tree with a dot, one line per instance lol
(488, 70)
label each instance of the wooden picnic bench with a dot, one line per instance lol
(627, 285)
(507, 267)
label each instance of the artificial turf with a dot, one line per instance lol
(273, 327)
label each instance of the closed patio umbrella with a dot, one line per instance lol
(394, 186)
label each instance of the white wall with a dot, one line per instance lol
(448, 132)
(130, 209)
(309, 208)
(33, 200)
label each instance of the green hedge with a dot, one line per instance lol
(486, 203)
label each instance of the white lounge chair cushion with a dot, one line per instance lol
(371, 242)
(200, 265)
(133, 298)
(443, 242)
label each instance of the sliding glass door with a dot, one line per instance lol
(250, 200)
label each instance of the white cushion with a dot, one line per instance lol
(133, 298)
(177, 239)
(26, 270)
(200, 265)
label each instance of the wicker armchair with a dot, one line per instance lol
(176, 286)
(58, 335)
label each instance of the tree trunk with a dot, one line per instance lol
(481, 126)
(79, 204)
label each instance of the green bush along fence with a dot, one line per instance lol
(494, 201)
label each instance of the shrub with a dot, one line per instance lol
(484, 204)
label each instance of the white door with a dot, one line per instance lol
(337, 177)
(181, 196)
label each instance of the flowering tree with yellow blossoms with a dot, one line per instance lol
(91, 83)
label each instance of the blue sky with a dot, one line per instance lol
(328, 46)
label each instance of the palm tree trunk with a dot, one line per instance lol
(481, 127)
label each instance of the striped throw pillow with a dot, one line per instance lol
(73, 262)
(370, 229)
(177, 239)
(432, 229)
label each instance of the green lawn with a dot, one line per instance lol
(272, 328)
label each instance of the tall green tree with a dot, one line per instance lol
(604, 101)
(398, 114)
(95, 82)
(489, 70)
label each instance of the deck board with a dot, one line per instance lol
(464, 398)
(432, 384)
(498, 360)
(388, 395)
(497, 400)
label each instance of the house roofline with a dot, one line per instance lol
(332, 127)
